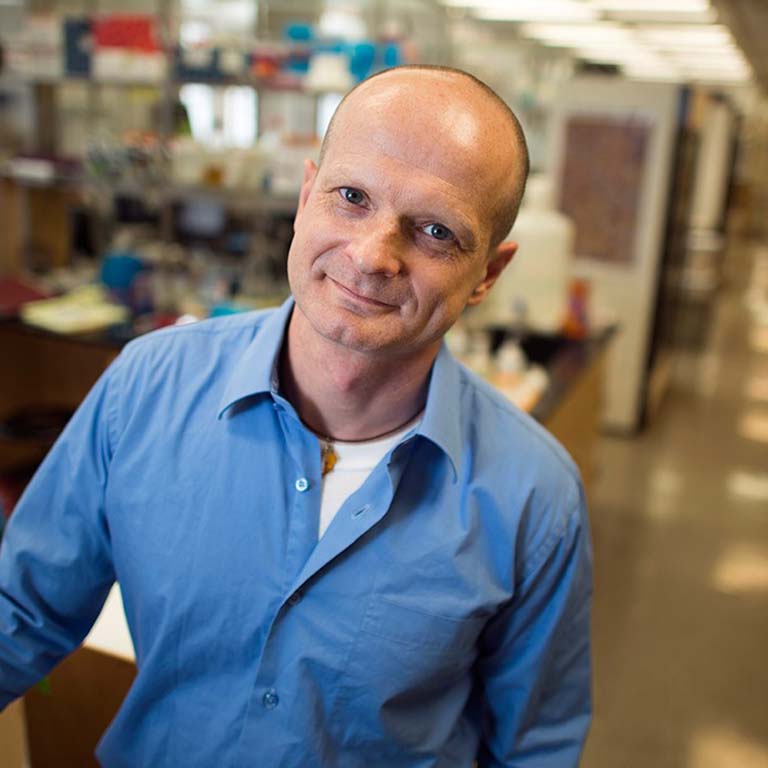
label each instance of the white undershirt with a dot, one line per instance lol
(355, 461)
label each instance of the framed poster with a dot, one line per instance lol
(612, 159)
(601, 184)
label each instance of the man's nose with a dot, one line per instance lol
(377, 249)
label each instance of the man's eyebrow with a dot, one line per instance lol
(339, 172)
(466, 237)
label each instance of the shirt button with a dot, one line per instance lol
(302, 484)
(270, 699)
(295, 598)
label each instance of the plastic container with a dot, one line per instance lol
(511, 365)
(539, 275)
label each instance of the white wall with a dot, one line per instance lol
(713, 167)
(627, 291)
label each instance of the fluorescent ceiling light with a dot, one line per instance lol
(697, 50)
(665, 76)
(708, 16)
(647, 6)
(574, 35)
(648, 67)
(698, 54)
(615, 51)
(649, 46)
(722, 78)
(711, 57)
(618, 49)
(628, 62)
(650, 64)
(687, 34)
(670, 72)
(618, 56)
(718, 70)
(658, 11)
(524, 11)
(717, 73)
(650, 73)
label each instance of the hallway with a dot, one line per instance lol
(680, 530)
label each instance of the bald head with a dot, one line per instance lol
(443, 98)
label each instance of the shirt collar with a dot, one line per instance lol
(441, 424)
(256, 371)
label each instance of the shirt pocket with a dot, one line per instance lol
(410, 628)
(407, 679)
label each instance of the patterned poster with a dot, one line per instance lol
(602, 181)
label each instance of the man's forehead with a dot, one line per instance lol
(434, 92)
(428, 111)
(417, 78)
(459, 158)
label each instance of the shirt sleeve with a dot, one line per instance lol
(535, 662)
(55, 562)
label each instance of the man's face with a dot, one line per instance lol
(393, 230)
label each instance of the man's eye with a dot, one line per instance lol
(352, 195)
(439, 232)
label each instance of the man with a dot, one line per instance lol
(427, 605)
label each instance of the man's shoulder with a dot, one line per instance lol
(518, 438)
(220, 340)
(527, 481)
(183, 371)
(186, 358)
(526, 478)
(227, 329)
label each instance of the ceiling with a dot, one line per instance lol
(712, 42)
(748, 22)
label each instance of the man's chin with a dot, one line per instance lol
(353, 335)
(357, 341)
(382, 336)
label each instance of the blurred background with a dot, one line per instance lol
(150, 160)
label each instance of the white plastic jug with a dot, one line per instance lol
(538, 275)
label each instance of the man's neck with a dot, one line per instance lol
(349, 395)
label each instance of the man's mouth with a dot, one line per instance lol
(353, 294)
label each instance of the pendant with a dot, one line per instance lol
(328, 457)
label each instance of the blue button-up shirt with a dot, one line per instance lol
(442, 618)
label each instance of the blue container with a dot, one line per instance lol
(78, 45)
(361, 60)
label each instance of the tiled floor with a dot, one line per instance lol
(680, 528)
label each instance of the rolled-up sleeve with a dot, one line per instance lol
(55, 563)
(535, 665)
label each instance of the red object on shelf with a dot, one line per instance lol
(577, 320)
(15, 293)
(136, 32)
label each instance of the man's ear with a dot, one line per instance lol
(496, 263)
(310, 173)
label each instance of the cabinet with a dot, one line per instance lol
(13, 739)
